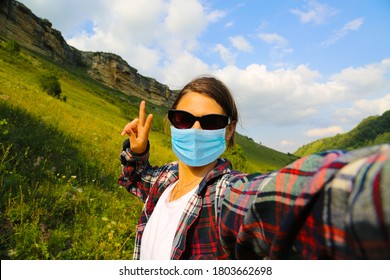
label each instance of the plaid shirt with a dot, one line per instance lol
(332, 205)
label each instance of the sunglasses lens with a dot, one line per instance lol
(184, 120)
(213, 122)
(181, 119)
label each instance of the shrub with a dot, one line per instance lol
(50, 84)
(11, 46)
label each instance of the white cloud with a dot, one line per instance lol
(361, 108)
(314, 12)
(302, 95)
(229, 24)
(226, 55)
(287, 143)
(366, 80)
(241, 44)
(181, 17)
(324, 132)
(353, 25)
(182, 69)
(373, 107)
(215, 16)
(279, 47)
(280, 96)
(273, 39)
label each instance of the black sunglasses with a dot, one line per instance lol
(183, 120)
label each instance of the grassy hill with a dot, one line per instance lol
(371, 131)
(59, 162)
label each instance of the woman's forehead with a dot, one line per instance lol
(199, 104)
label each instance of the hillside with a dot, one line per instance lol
(19, 23)
(59, 158)
(371, 131)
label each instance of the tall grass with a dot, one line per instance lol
(55, 202)
(59, 164)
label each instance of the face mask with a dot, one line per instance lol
(198, 147)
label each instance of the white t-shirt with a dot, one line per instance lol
(157, 239)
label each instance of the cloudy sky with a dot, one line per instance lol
(300, 70)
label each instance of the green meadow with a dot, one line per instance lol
(59, 162)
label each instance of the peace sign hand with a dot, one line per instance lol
(138, 130)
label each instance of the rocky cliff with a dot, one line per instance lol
(113, 71)
(18, 23)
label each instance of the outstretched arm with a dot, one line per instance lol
(330, 205)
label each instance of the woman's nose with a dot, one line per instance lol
(197, 125)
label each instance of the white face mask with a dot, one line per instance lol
(198, 147)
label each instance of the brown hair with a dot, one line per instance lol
(216, 90)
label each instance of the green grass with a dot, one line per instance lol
(262, 158)
(59, 163)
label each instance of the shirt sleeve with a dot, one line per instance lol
(330, 205)
(137, 175)
(237, 198)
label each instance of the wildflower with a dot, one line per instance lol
(45, 234)
(12, 253)
(38, 161)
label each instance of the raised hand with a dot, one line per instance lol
(138, 130)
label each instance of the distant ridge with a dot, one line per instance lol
(19, 23)
(371, 131)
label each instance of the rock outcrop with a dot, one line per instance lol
(18, 23)
(112, 70)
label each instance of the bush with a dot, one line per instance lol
(11, 46)
(50, 84)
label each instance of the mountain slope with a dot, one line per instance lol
(371, 131)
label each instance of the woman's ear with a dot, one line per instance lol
(230, 130)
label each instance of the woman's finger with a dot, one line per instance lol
(130, 127)
(142, 113)
(148, 124)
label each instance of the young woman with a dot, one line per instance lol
(179, 219)
(328, 205)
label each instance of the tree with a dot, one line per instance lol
(50, 84)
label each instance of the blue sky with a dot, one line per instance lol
(299, 70)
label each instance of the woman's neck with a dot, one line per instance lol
(189, 178)
(190, 173)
